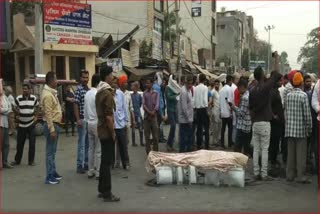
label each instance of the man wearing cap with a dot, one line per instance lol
(298, 128)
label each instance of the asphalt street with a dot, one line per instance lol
(23, 189)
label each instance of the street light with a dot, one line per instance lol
(268, 28)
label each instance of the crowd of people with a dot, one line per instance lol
(260, 114)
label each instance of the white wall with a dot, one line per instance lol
(125, 11)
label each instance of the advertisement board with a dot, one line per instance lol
(67, 23)
(5, 23)
(196, 8)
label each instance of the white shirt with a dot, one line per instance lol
(226, 92)
(201, 96)
(127, 96)
(90, 114)
(215, 99)
(281, 91)
(234, 120)
(315, 99)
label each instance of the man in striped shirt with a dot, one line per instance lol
(27, 108)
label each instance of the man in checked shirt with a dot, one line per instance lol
(298, 128)
(83, 140)
(244, 123)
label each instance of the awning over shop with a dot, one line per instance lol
(206, 72)
(137, 74)
(190, 65)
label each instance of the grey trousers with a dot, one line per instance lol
(94, 150)
(151, 126)
(5, 146)
(260, 140)
(297, 156)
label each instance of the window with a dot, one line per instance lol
(213, 27)
(22, 68)
(213, 5)
(75, 66)
(158, 5)
(158, 25)
(60, 67)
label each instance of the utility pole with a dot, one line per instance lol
(176, 10)
(268, 28)
(169, 28)
(38, 46)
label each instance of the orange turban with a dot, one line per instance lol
(291, 74)
(297, 79)
(122, 79)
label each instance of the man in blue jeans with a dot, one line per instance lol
(52, 117)
(185, 116)
(83, 141)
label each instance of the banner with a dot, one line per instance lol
(67, 23)
(196, 8)
(156, 46)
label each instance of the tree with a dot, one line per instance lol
(259, 51)
(171, 30)
(308, 54)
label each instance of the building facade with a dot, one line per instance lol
(235, 34)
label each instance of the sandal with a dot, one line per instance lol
(111, 198)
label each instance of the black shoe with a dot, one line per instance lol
(81, 171)
(91, 176)
(57, 176)
(15, 163)
(134, 145)
(86, 168)
(142, 144)
(7, 166)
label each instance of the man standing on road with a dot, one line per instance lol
(150, 103)
(243, 119)
(90, 115)
(261, 115)
(201, 106)
(27, 107)
(298, 128)
(5, 109)
(120, 123)
(83, 142)
(52, 117)
(185, 116)
(215, 120)
(127, 95)
(105, 106)
(225, 97)
(137, 103)
(171, 98)
(277, 123)
(315, 106)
